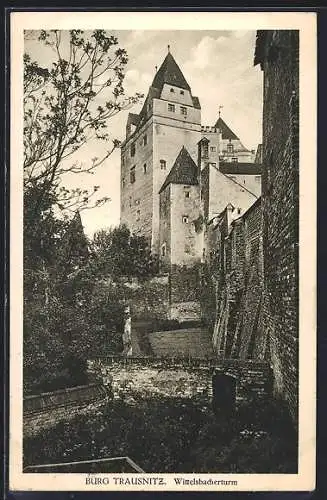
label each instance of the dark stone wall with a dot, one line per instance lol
(280, 63)
(239, 287)
(46, 410)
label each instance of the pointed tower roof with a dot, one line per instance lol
(227, 133)
(184, 171)
(169, 72)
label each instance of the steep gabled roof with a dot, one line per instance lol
(227, 133)
(184, 171)
(169, 72)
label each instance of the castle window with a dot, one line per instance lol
(234, 159)
(138, 213)
(133, 149)
(145, 140)
(238, 211)
(144, 168)
(130, 201)
(163, 164)
(230, 148)
(171, 108)
(183, 110)
(123, 182)
(123, 161)
(186, 194)
(137, 202)
(172, 90)
(132, 175)
(182, 92)
(213, 149)
(163, 250)
(185, 219)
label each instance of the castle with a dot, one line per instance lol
(177, 176)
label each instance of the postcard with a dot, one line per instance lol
(162, 251)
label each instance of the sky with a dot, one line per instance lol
(218, 66)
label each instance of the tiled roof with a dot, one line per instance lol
(240, 168)
(184, 171)
(227, 133)
(169, 72)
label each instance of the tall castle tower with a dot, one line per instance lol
(169, 120)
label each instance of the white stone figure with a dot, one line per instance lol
(127, 335)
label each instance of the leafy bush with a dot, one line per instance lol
(167, 435)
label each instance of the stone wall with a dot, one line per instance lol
(135, 378)
(278, 54)
(238, 285)
(45, 410)
(137, 197)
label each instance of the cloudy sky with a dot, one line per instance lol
(218, 66)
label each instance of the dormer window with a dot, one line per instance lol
(171, 108)
(163, 164)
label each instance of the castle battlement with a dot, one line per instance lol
(209, 129)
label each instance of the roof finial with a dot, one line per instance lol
(168, 48)
(219, 109)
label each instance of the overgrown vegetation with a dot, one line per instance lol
(68, 104)
(174, 435)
